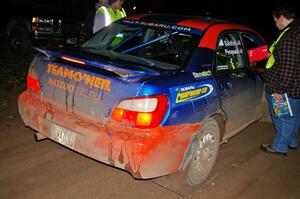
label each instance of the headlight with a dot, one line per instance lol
(40, 20)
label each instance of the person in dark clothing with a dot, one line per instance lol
(282, 76)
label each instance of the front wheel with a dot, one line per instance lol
(20, 43)
(206, 150)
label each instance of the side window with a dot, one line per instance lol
(230, 54)
(257, 50)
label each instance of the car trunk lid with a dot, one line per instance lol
(86, 87)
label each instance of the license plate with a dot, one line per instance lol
(63, 136)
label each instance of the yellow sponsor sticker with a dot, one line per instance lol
(77, 76)
(194, 93)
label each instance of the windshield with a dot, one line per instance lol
(155, 47)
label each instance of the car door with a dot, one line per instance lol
(239, 86)
(257, 54)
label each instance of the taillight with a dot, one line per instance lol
(33, 83)
(33, 28)
(141, 112)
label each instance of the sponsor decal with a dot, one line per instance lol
(232, 52)
(95, 95)
(60, 84)
(202, 74)
(222, 67)
(77, 76)
(232, 43)
(193, 92)
(158, 25)
(229, 43)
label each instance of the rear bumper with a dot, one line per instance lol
(145, 153)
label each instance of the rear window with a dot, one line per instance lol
(162, 48)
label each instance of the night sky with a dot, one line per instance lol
(252, 13)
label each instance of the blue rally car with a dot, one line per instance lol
(150, 94)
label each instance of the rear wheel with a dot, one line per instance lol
(206, 148)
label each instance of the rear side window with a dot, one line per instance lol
(230, 53)
(155, 47)
(161, 45)
(257, 49)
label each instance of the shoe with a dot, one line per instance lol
(293, 147)
(269, 149)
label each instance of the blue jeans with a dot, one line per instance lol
(286, 128)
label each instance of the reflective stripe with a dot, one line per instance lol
(123, 13)
(271, 59)
(107, 16)
(110, 15)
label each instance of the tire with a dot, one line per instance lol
(206, 148)
(20, 43)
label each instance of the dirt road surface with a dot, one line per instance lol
(44, 170)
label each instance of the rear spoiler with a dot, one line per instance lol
(122, 72)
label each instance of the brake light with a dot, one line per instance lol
(33, 28)
(33, 83)
(73, 60)
(141, 112)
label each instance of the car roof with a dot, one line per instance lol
(197, 22)
(211, 26)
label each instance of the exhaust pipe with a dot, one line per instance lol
(39, 137)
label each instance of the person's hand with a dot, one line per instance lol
(277, 97)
